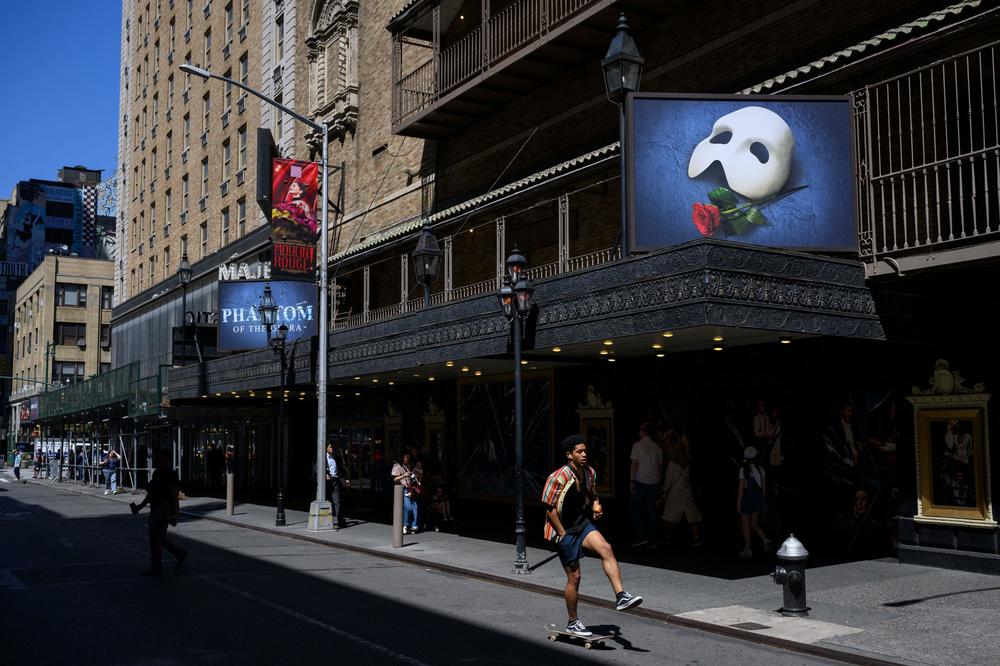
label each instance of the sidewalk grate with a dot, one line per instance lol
(749, 626)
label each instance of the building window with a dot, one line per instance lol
(229, 23)
(71, 295)
(205, 108)
(168, 207)
(279, 38)
(187, 131)
(67, 372)
(204, 239)
(184, 194)
(71, 334)
(170, 148)
(166, 259)
(104, 368)
(245, 69)
(107, 297)
(227, 101)
(227, 159)
(246, 12)
(225, 227)
(278, 119)
(204, 177)
(242, 137)
(241, 216)
(208, 47)
(170, 92)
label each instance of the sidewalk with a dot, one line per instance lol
(874, 610)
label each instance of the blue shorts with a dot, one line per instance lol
(571, 546)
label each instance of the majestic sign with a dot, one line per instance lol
(294, 227)
(767, 170)
(245, 271)
(240, 325)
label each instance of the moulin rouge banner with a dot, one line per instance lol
(294, 226)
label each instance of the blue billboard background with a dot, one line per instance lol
(240, 326)
(815, 208)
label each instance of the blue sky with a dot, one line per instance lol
(59, 66)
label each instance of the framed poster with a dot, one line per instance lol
(597, 427)
(953, 467)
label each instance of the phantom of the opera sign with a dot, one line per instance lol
(766, 170)
(240, 325)
(294, 215)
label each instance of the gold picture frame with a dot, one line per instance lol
(598, 429)
(952, 456)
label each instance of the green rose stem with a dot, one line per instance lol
(752, 204)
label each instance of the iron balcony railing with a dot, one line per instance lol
(510, 29)
(470, 290)
(929, 157)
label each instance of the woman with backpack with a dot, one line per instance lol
(750, 500)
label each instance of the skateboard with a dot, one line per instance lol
(588, 641)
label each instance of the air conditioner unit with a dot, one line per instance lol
(202, 203)
(224, 188)
(241, 176)
(184, 217)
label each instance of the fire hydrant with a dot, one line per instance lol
(791, 575)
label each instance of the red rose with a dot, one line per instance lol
(707, 218)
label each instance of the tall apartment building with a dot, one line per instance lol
(187, 147)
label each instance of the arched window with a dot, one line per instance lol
(333, 71)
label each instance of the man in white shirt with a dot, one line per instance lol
(333, 485)
(647, 465)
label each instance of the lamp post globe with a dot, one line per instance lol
(427, 261)
(268, 309)
(523, 292)
(516, 266)
(506, 298)
(622, 67)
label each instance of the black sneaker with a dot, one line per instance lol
(577, 628)
(624, 601)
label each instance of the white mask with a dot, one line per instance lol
(747, 174)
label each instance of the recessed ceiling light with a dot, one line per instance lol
(302, 392)
(785, 340)
(608, 343)
(717, 347)
(717, 338)
(657, 345)
(392, 383)
(557, 349)
(668, 334)
(218, 395)
(660, 355)
(416, 374)
(204, 396)
(431, 378)
(356, 393)
(611, 360)
(336, 395)
(449, 363)
(534, 367)
(465, 368)
(375, 381)
(478, 373)
(604, 352)
(357, 377)
(524, 363)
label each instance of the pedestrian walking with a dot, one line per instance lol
(38, 465)
(334, 484)
(647, 464)
(678, 497)
(571, 503)
(750, 501)
(403, 475)
(163, 498)
(17, 464)
(111, 466)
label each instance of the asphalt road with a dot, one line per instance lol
(70, 592)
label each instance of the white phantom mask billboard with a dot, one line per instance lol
(754, 147)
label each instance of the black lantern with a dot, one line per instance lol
(506, 298)
(184, 270)
(268, 308)
(427, 261)
(278, 341)
(622, 64)
(522, 295)
(516, 266)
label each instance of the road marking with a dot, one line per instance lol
(798, 629)
(364, 642)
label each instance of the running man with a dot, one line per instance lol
(570, 501)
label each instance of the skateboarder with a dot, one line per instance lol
(570, 503)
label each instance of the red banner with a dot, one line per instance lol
(294, 215)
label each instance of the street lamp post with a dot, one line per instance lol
(426, 261)
(622, 67)
(515, 302)
(319, 509)
(184, 275)
(268, 309)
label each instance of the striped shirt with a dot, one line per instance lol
(554, 485)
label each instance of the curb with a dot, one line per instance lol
(842, 656)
